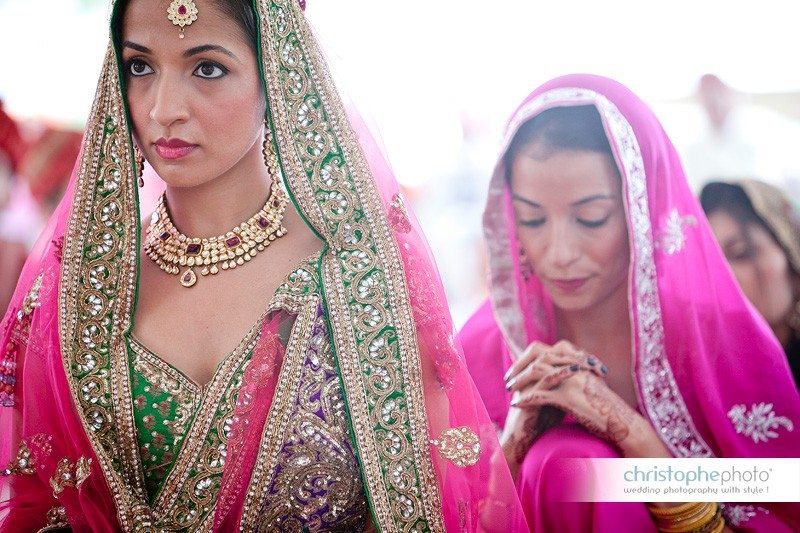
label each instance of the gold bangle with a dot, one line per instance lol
(687, 522)
(667, 512)
(706, 521)
(688, 515)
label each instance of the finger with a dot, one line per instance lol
(564, 347)
(529, 375)
(531, 353)
(558, 376)
(533, 399)
(587, 362)
(597, 365)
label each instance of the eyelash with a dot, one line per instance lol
(592, 224)
(136, 61)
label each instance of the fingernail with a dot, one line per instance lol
(573, 368)
(508, 385)
(604, 369)
(507, 375)
(515, 403)
(591, 361)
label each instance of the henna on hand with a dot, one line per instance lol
(619, 416)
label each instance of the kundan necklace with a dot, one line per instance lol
(174, 252)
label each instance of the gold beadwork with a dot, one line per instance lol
(137, 154)
(182, 13)
(70, 475)
(460, 446)
(176, 253)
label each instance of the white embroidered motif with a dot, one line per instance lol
(737, 515)
(759, 422)
(672, 238)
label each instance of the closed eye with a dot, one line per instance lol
(593, 223)
(532, 223)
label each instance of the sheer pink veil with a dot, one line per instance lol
(481, 497)
(39, 412)
(710, 375)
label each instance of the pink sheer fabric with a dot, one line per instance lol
(250, 415)
(40, 412)
(480, 497)
(709, 374)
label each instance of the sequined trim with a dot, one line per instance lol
(98, 280)
(373, 330)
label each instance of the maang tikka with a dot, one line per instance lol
(182, 13)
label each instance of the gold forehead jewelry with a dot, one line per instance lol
(182, 13)
(171, 250)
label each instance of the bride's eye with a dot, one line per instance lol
(137, 67)
(210, 70)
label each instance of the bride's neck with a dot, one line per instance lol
(219, 205)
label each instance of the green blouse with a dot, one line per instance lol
(165, 402)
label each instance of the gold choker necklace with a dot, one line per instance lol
(171, 250)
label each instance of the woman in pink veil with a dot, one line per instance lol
(614, 327)
(345, 406)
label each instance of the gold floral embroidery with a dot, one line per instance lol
(57, 517)
(22, 464)
(398, 214)
(31, 300)
(309, 478)
(70, 475)
(316, 483)
(460, 446)
(28, 454)
(181, 399)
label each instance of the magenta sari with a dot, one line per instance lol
(709, 374)
(427, 452)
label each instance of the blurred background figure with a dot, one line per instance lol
(721, 149)
(724, 131)
(41, 169)
(758, 229)
(15, 207)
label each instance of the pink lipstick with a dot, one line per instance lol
(173, 148)
(569, 285)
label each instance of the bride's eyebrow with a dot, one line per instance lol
(209, 48)
(592, 198)
(524, 200)
(188, 53)
(137, 47)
